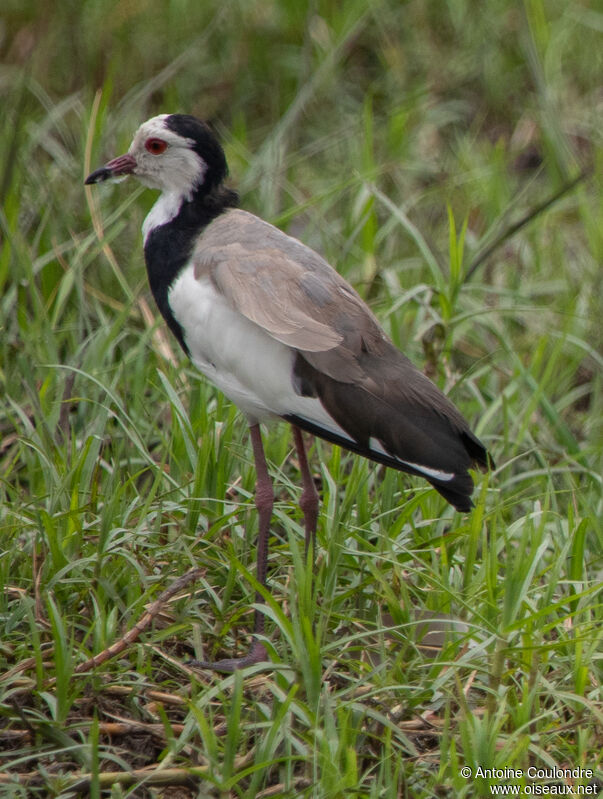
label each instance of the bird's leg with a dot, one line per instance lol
(308, 501)
(264, 500)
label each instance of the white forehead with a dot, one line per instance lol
(156, 128)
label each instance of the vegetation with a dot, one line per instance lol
(406, 141)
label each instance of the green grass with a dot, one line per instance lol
(404, 141)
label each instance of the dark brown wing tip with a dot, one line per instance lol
(477, 452)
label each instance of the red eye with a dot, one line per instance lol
(155, 146)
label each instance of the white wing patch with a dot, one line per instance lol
(434, 474)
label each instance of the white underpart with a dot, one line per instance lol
(249, 366)
(376, 446)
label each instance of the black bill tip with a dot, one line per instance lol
(119, 167)
(98, 176)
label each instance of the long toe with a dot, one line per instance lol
(257, 654)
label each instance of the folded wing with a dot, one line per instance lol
(392, 413)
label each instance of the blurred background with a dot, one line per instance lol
(364, 128)
(446, 158)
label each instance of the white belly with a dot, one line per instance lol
(238, 356)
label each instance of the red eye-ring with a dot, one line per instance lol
(155, 146)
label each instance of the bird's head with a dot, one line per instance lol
(174, 153)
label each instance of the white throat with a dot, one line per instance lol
(165, 209)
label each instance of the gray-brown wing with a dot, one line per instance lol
(391, 411)
(290, 291)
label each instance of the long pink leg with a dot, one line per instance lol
(264, 501)
(308, 501)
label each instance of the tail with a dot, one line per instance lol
(399, 418)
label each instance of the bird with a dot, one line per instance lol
(282, 334)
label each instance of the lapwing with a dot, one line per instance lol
(282, 334)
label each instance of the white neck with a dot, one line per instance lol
(165, 209)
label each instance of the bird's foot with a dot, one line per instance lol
(257, 654)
